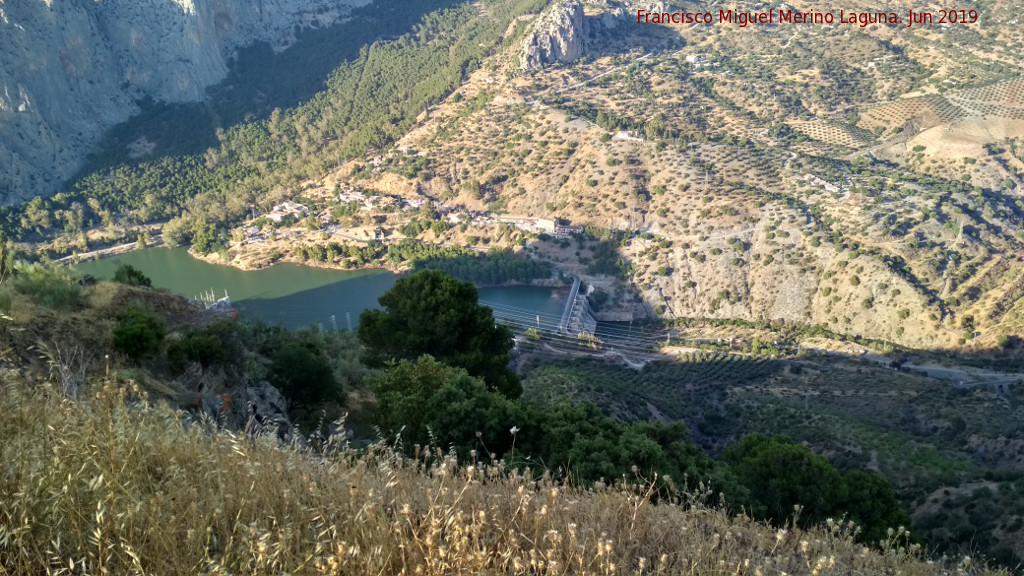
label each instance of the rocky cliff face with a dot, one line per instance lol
(557, 36)
(69, 69)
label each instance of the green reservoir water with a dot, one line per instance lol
(296, 296)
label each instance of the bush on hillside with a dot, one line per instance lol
(128, 274)
(304, 376)
(201, 346)
(49, 286)
(432, 313)
(139, 332)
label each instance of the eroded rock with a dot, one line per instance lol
(556, 36)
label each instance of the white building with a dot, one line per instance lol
(285, 209)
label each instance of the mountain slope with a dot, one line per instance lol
(69, 70)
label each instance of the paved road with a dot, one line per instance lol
(119, 249)
(958, 375)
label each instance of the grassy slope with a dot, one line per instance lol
(96, 486)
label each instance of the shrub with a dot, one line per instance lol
(128, 274)
(50, 287)
(304, 376)
(203, 347)
(139, 332)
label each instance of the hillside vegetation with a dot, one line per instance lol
(114, 484)
(952, 453)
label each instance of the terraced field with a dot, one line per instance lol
(925, 111)
(835, 133)
(1003, 100)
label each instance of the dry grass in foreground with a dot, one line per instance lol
(109, 486)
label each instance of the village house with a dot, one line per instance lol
(544, 225)
(380, 202)
(414, 204)
(819, 182)
(285, 209)
(351, 196)
(628, 136)
(565, 228)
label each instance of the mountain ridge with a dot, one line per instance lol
(70, 70)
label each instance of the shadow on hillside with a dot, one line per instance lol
(610, 35)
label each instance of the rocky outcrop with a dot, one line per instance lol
(556, 36)
(235, 401)
(614, 13)
(259, 407)
(73, 68)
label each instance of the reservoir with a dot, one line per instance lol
(295, 296)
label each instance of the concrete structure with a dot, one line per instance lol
(577, 318)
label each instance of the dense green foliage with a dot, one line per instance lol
(205, 346)
(427, 403)
(784, 477)
(128, 274)
(139, 332)
(432, 313)
(304, 375)
(582, 443)
(495, 267)
(48, 286)
(873, 504)
(715, 395)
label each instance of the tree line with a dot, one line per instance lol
(494, 267)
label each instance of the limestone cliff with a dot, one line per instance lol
(557, 36)
(72, 68)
